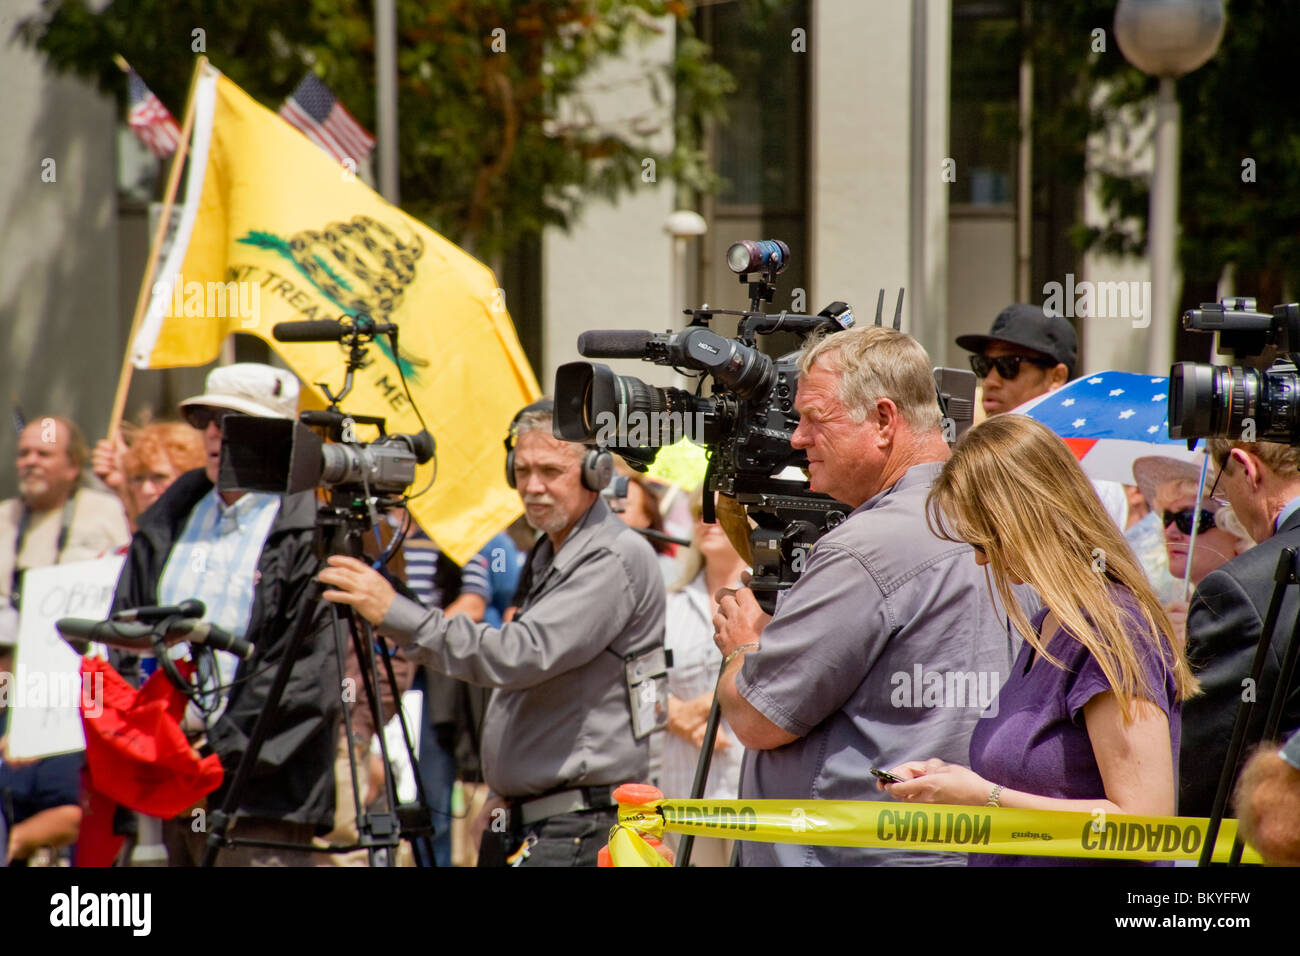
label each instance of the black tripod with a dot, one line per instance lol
(339, 527)
(702, 767)
(1284, 576)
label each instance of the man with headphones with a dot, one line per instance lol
(575, 671)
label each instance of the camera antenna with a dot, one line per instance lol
(898, 310)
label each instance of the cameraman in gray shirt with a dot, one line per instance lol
(560, 731)
(889, 644)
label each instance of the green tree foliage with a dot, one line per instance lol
(1236, 107)
(1241, 105)
(496, 144)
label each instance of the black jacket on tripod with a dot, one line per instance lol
(293, 780)
(1224, 624)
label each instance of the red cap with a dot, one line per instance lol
(636, 794)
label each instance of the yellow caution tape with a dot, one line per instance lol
(627, 848)
(903, 826)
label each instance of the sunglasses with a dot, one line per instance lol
(1204, 520)
(1008, 366)
(200, 416)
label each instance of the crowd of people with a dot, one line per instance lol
(1104, 684)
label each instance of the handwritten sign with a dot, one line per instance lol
(44, 693)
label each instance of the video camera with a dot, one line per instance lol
(277, 455)
(1259, 401)
(746, 423)
(286, 457)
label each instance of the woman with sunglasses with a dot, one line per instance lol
(1089, 717)
(1170, 486)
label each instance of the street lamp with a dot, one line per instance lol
(1167, 39)
(683, 225)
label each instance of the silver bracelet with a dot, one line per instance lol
(739, 650)
(993, 796)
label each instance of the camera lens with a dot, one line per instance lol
(594, 405)
(341, 464)
(1229, 401)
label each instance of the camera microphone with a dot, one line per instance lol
(315, 330)
(328, 330)
(188, 608)
(616, 343)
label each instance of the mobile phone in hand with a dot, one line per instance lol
(884, 776)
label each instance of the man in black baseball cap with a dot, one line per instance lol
(1025, 354)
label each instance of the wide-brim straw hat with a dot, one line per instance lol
(1152, 471)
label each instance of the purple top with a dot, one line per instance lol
(1035, 739)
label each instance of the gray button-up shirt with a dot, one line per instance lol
(560, 716)
(886, 649)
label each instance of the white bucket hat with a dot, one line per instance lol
(251, 388)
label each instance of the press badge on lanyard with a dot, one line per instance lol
(647, 689)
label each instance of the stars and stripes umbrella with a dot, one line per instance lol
(1109, 420)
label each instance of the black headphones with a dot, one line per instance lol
(597, 463)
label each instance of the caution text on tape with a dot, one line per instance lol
(888, 825)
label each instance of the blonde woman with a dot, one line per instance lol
(1089, 717)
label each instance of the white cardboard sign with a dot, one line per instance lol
(44, 693)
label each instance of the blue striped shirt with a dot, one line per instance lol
(215, 560)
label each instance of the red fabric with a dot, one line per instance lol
(97, 844)
(136, 750)
(1080, 446)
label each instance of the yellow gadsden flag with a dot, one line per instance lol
(272, 230)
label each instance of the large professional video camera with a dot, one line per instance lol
(746, 423)
(285, 457)
(1259, 401)
(272, 454)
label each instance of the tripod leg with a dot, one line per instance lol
(1283, 577)
(221, 820)
(369, 825)
(422, 800)
(1285, 677)
(349, 735)
(702, 768)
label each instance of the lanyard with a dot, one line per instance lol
(65, 526)
(24, 522)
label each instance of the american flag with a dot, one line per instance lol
(150, 119)
(1109, 420)
(313, 109)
